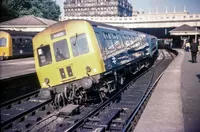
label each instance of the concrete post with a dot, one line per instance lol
(196, 38)
(196, 34)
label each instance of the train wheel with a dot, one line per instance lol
(1, 58)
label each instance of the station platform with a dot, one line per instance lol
(16, 67)
(175, 102)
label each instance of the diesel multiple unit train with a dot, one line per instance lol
(15, 44)
(75, 58)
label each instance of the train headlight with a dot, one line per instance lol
(86, 83)
(88, 69)
(46, 82)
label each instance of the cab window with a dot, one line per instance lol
(61, 50)
(44, 55)
(79, 44)
(3, 42)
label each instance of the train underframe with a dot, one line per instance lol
(98, 87)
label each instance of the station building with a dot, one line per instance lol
(97, 8)
(28, 23)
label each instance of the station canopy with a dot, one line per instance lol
(184, 30)
(28, 23)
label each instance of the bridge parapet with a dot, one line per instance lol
(148, 20)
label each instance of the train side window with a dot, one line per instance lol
(117, 43)
(79, 44)
(126, 40)
(102, 47)
(3, 42)
(108, 40)
(137, 41)
(44, 55)
(61, 50)
(120, 40)
(98, 39)
(27, 42)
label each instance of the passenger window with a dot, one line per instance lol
(109, 43)
(121, 40)
(137, 42)
(103, 51)
(3, 42)
(44, 55)
(126, 40)
(79, 44)
(116, 41)
(61, 50)
(98, 39)
(132, 40)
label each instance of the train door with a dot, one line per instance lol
(100, 43)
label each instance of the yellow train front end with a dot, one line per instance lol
(67, 58)
(5, 45)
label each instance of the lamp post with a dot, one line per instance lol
(196, 33)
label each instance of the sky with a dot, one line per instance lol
(192, 6)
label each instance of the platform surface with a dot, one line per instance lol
(16, 67)
(175, 103)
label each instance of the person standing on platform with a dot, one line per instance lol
(194, 50)
(187, 46)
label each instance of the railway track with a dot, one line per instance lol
(116, 114)
(23, 111)
(119, 112)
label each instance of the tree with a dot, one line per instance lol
(41, 8)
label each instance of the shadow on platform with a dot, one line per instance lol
(198, 76)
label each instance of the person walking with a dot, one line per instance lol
(194, 50)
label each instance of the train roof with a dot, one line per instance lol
(17, 33)
(92, 23)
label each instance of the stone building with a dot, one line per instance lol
(97, 8)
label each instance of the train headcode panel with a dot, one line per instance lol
(58, 34)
